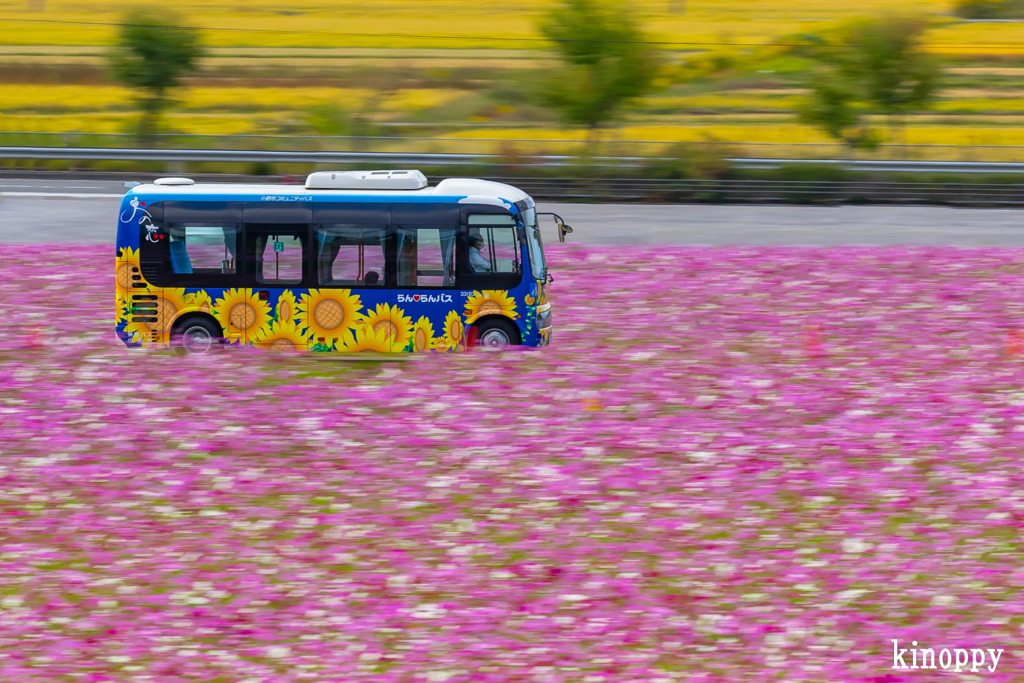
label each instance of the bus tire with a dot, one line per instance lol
(195, 335)
(496, 333)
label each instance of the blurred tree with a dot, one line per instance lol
(990, 9)
(151, 54)
(329, 120)
(873, 66)
(606, 61)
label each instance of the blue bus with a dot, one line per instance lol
(353, 261)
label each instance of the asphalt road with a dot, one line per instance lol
(84, 211)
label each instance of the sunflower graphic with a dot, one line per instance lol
(240, 314)
(328, 313)
(452, 337)
(169, 302)
(127, 259)
(365, 338)
(120, 310)
(393, 322)
(200, 300)
(286, 309)
(530, 299)
(284, 336)
(490, 302)
(423, 336)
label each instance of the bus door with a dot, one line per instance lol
(278, 270)
(489, 264)
(424, 301)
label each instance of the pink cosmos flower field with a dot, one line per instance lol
(732, 464)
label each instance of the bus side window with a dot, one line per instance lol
(202, 249)
(489, 249)
(426, 257)
(279, 257)
(350, 255)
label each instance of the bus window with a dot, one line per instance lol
(493, 247)
(537, 263)
(489, 252)
(277, 253)
(350, 255)
(426, 257)
(202, 249)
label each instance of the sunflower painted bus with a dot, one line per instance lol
(352, 261)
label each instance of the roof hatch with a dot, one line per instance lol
(366, 180)
(174, 181)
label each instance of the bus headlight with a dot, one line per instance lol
(544, 316)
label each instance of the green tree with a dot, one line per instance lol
(990, 9)
(873, 66)
(606, 61)
(151, 54)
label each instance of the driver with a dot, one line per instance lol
(476, 261)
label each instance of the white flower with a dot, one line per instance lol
(11, 602)
(943, 600)
(855, 546)
(277, 651)
(428, 611)
(852, 594)
(572, 597)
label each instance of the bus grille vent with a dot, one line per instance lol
(151, 270)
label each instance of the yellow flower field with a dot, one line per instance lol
(437, 34)
(18, 97)
(486, 23)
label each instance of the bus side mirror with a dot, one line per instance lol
(563, 229)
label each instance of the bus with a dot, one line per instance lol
(351, 261)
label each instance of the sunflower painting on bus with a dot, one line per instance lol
(169, 302)
(242, 314)
(423, 336)
(286, 309)
(284, 336)
(453, 335)
(366, 338)
(490, 302)
(328, 313)
(200, 301)
(127, 259)
(393, 322)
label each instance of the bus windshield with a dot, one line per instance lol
(533, 240)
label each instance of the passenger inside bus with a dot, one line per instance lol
(476, 261)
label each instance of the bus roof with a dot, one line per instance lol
(449, 190)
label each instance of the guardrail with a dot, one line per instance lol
(621, 190)
(466, 140)
(390, 159)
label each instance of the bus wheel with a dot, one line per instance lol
(195, 336)
(496, 333)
